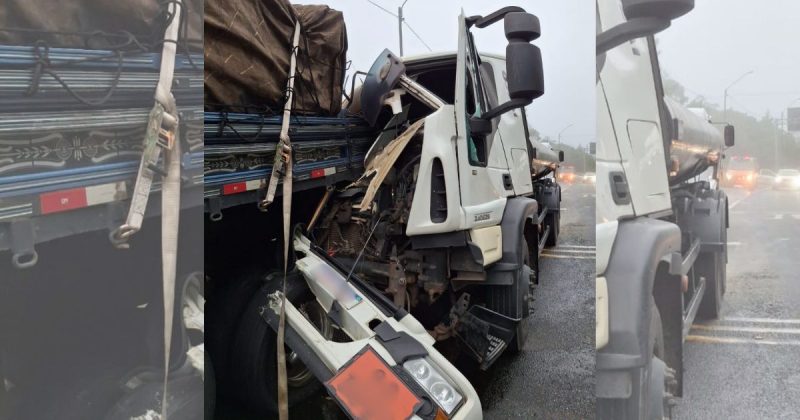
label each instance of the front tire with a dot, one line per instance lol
(526, 272)
(254, 363)
(649, 398)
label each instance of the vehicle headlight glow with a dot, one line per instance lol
(749, 177)
(729, 176)
(778, 179)
(796, 181)
(432, 381)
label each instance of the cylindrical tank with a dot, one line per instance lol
(544, 158)
(695, 143)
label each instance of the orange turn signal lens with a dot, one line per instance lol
(368, 389)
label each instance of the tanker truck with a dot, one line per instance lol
(661, 226)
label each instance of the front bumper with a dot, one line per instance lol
(403, 339)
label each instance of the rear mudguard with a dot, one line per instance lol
(640, 245)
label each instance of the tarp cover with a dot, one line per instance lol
(47, 20)
(248, 45)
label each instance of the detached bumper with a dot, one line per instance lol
(392, 334)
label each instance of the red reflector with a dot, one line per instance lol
(236, 188)
(368, 389)
(54, 202)
(317, 173)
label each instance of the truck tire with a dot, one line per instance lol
(553, 221)
(223, 311)
(648, 400)
(712, 267)
(254, 363)
(521, 333)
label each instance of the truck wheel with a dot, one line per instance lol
(526, 274)
(649, 396)
(254, 363)
(553, 221)
(712, 267)
(223, 311)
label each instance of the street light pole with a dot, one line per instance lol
(725, 97)
(400, 25)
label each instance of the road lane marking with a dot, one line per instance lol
(568, 251)
(745, 329)
(570, 257)
(762, 320)
(736, 203)
(727, 340)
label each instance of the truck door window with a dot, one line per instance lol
(475, 106)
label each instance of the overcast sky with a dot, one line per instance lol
(720, 40)
(567, 44)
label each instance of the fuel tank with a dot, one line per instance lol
(695, 145)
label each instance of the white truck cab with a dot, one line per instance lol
(661, 229)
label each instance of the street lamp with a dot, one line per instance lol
(562, 130)
(725, 98)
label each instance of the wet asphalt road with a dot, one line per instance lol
(746, 365)
(553, 377)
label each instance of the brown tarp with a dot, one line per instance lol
(247, 50)
(138, 17)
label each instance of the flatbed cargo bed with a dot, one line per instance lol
(67, 166)
(240, 151)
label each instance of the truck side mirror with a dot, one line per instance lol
(524, 71)
(664, 9)
(729, 135)
(523, 61)
(560, 155)
(644, 18)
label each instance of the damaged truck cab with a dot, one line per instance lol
(438, 241)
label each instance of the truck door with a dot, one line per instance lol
(630, 120)
(484, 187)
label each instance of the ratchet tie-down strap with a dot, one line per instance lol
(162, 133)
(282, 168)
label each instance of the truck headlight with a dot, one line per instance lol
(749, 177)
(432, 381)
